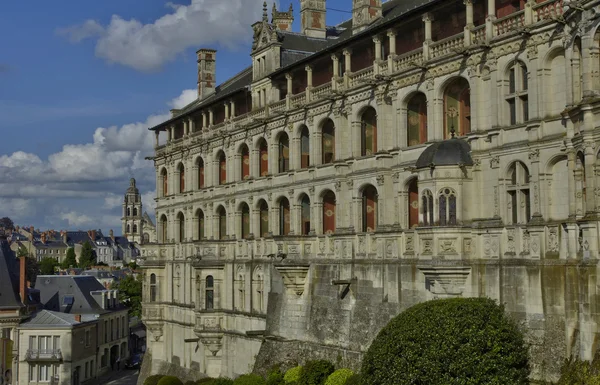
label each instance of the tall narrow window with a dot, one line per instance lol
(284, 216)
(181, 223)
(368, 132)
(329, 207)
(128, 229)
(153, 291)
(222, 168)
(164, 227)
(165, 182)
(516, 96)
(264, 219)
(200, 225)
(209, 293)
(457, 108)
(580, 179)
(413, 203)
(519, 206)
(369, 209)
(328, 140)
(305, 215)
(417, 120)
(200, 173)
(447, 207)
(128, 212)
(284, 153)
(181, 178)
(304, 148)
(135, 228)
(427, 207)
(245, 162)
(245, 225)
(263, 164)
(222, 223)
(135, 212)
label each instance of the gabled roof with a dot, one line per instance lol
(51, 319)
(9, 277)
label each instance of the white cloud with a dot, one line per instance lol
(184, 99)
(148, 201)
(146, 47)
(75, 219)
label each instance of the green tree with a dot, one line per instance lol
(87, 258)
(7, 223)
(130, 293)
(70, 260)
(47, 266)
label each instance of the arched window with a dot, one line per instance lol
(413, 203)
(580, 181)
(163, 228)
(417, 120)
(222, 168)
(447, 207)
(457, 108)
(284, 216)
(181, 178)
(305, 214)
(200, 217)
(328, 142)
(264, 219)
(519, 206)
(304, 147)
(153, 289)
(181, 223)
(329, 213)
(576, 64)
(263, 164)
(128, 212)
(427, 207)
(165, 182)
(135, 228)
(516, 94)
(258, 282)
(284, 153)
(245, 224)
(209, 293)
(135, 212)
(200, 173)
(245, 162)
(222, 222)
(368, 132)
(369, 209)
(128, 229)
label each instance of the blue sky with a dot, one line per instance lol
(80, 81)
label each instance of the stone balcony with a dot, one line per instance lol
(47, 355)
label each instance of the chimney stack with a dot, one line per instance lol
(43, 238)
(207, 60)
(77, 317)
(23, 279)
(312, 18)
(282, 20)
(365, 12)
(112, 235)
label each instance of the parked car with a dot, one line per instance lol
(134, 361)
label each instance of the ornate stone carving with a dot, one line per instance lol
(294, 278)
(534, 155)
(495, 162)
(447, 246)
(510, 244)
(445, 280)
(410, 246)
(380, 180)
(526, 242)
(553, 239)
(427, 246)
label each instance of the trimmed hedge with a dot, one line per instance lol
(170, 380)
(292, 375)
(315, 372)
(339, 377)
(153, 380)
(450, 341)
(249, 379)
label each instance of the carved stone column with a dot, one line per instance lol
(427, 20)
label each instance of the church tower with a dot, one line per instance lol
(132, 214)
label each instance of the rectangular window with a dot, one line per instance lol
(44, 343)
(56, 343)
(513, 111)
(31, 373)
(524, 78)
(527, 206)
(44, 373)
(514, 207)
(511, 81)
(32, 343)
(525, 104)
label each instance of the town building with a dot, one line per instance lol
(423, 149)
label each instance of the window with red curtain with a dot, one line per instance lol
(457, 108)
(368, 127)
(264, 219)
(417, 120)
(304, 148)
(200, 173)
(329, 213)
(369, 203)
(413, 204)
(284, 153)
(328, 141)
(264, 158)
(245, 162)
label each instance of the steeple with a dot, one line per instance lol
(282, 20)
(132, 213)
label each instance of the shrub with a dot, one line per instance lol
(339, 377)
(170, 380)
(275, 376)
(153, 380)
(220, 381)
(292, 375)
(578, 372)
(450, 341)
(190, 383)
(249, 379)
(354, 380)
(315, 372)
(205, 380)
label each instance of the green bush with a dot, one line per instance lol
(275, 376)
(315, 372)
(339, 377)
(170, 380)
(249, 379)
(354, 380)
(578, 372)
(153, 380)
(292, 375)
(190, 383)
(205, 380)
(220, 381)
(449, 341)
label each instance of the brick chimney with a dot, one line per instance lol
(43, 238)
(282, 20)
(77, 317)
(93, 235)
(63, 235)
(207, 66)
(23, 279)
(112, 235)
(312, 18)
(365, 12)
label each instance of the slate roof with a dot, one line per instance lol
(46, 319)
(54, 288)
(449, 152)
(9, 277)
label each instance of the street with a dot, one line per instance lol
(123, 377)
